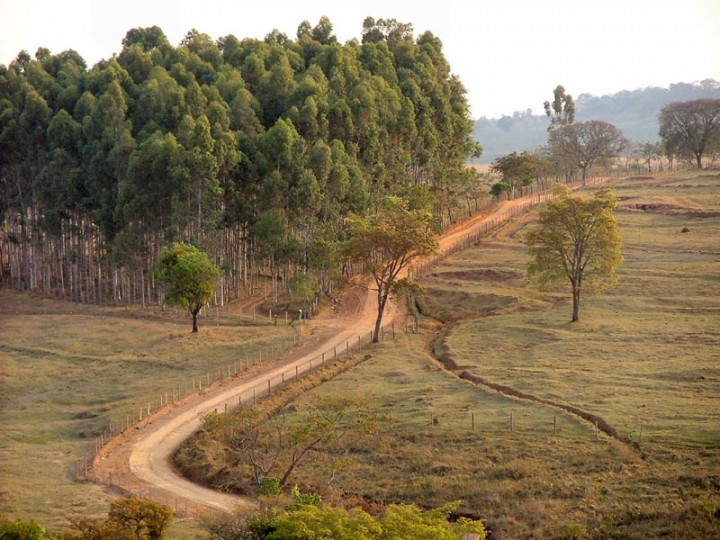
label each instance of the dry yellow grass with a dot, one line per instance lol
(646, 354)
(652, 341)
(70, 371)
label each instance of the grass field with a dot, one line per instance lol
(644, 357)
(71, 371)
(645, 354)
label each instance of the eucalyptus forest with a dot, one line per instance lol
(256, 151)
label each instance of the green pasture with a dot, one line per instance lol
(644, 357)
(646, 353)
(70, 372)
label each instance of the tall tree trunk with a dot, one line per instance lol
(194, 313)
(382, 300)
(576, 303)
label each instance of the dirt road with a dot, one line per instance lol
(138, 461)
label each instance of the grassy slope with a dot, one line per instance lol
(645, 354)
(70, 371)
(650, 342)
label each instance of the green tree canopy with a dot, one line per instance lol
(202, 139)
(585, 144)
(517, 169)
(388, 242)
(188, 277)
(577, 240)
(144, 518)
(562, 109)
(691, 128)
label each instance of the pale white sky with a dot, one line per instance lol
(510, 54)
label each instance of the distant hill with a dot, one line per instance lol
(634, 112)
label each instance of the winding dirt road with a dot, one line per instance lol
(138, 461)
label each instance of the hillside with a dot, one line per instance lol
(634, 112)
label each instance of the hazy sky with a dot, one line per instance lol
(510, 54)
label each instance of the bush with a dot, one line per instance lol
(21, 530)
(499, 188)
(270, 486)
(128, 519)
(300, 522)
(312, 499)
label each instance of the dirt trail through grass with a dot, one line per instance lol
(139, 461)
(503, 233)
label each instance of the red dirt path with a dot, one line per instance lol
(138, 460)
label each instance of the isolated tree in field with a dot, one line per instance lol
(691, 128)
(649, 152)
(577, 240)
(188, 277)
(562, 109)
(587, 143)
(387, 242)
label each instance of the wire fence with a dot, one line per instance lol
(518, 421)
(534, 196)
(265, 386)
(275, 378)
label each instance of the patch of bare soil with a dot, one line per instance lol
(140, 458)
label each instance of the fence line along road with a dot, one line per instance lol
(148, 458)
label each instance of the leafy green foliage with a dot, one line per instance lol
(517, 171)
(203, 140)
(562, 109)
(143, 517)
(130, 518)
(270, 486)
(305, 499)
(303, 522)
(388, 242)
(188, 277)
(577, 240)
(21, 530)
(498, 188)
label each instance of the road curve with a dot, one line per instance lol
(139, 460)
